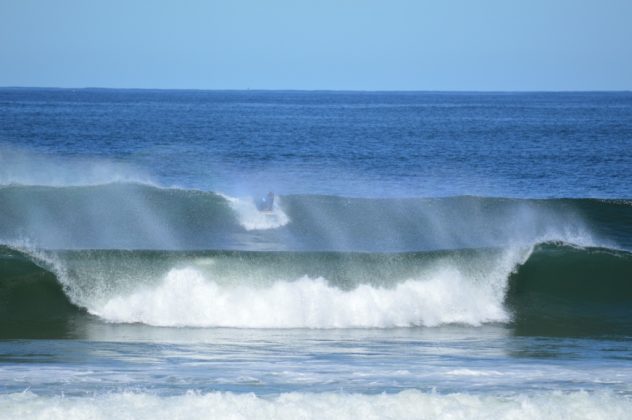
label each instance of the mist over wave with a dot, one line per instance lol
(139, 216)
(22, 167)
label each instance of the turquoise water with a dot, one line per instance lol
(428, 254)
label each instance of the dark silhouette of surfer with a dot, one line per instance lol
(266, 203)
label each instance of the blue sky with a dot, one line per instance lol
(343, 44)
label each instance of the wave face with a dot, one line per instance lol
(32, 300)
(566, 290)
(140, 216)
(549, 289)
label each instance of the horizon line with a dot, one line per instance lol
(320, 90)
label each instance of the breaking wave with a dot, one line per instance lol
(170, 257)
(550, 288)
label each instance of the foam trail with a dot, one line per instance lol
(410, 404)
(442, 294)
(250, 218)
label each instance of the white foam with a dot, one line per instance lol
(253, 219)
(410, 404)
(442, 295)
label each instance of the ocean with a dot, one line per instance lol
(426, 254)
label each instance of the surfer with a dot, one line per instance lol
(266, 203)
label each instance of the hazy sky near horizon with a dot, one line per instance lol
(327, 44)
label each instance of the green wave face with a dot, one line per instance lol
(554, 290)
(570, 291)
(32, 301)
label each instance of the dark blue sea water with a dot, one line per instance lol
(427, 254)
(352, 144)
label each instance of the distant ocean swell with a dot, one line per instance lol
(551, 288)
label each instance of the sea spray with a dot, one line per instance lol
(22, 167)
(139, 216)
